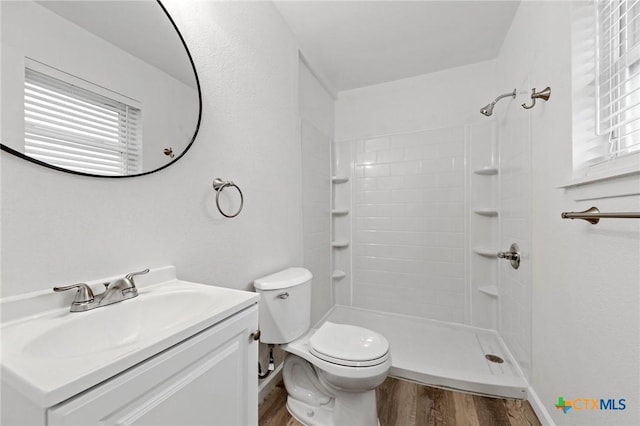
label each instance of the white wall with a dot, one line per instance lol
(59, 228)
(32, 31)
(316, 103)
(431, 101)
(585, 319)
(316, 113)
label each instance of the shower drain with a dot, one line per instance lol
(494, 358)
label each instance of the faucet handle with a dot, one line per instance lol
(83, 295)
(130, 275)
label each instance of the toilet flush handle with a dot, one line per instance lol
(283, 295)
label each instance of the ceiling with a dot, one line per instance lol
(353, 44)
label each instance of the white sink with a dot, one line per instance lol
(52, 356)
(150, 315)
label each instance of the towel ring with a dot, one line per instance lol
(219, 185)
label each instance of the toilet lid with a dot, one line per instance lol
(348, 345)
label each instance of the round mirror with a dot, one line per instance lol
(98, 88)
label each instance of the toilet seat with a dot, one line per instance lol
(348, 345)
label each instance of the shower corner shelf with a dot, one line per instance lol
(486, 252)
(340, 244)
(339, 212)
(338, 274)
(339, 179)
(489, 212)
(487, 171)
(489, 290)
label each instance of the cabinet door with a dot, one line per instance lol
(209, 379)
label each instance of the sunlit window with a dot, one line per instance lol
(617, 78)
(78, 129)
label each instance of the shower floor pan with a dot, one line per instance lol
(441, 354)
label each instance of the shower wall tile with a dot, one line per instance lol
(397, 182)
(376, 144)
(389, 156)
(393, 299)
(376, 170)
(406, 140)
(409, 222)
(366, 157)
(421, 152)
(402, 168)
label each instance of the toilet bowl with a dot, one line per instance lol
(331, 371)
(331, 375)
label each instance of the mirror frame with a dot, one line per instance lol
(19, 154)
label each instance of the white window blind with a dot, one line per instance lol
(617, 79)
(75, 128)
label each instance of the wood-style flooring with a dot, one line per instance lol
(403, 403)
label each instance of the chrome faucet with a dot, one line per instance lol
(117, 291)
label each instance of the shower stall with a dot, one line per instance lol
(418, 217)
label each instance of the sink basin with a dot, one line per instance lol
(54, 355)
(127, 323)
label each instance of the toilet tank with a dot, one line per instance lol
(285, 305)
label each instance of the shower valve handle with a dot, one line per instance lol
(508, 255)
(513, 255)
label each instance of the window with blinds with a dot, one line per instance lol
(617, 80)
(78, 129)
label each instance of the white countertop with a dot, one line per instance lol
(50, 370)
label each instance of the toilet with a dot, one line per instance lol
(331, 371)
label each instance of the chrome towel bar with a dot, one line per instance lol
(593, 215)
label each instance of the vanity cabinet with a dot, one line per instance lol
(208, 379)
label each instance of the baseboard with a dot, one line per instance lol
(532, 397)
(539, 408)
(269, 383)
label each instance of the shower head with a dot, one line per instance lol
(487, 110)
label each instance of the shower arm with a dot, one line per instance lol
(512, 94)
(487, 110)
